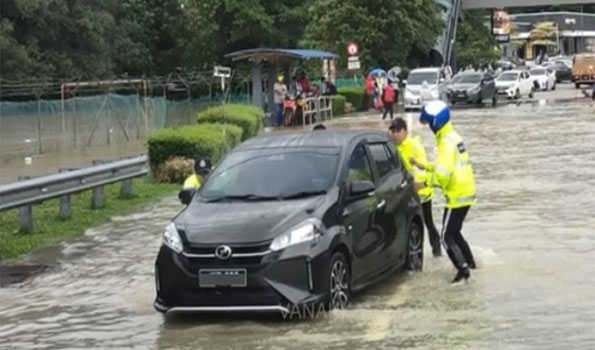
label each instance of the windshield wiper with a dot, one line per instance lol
(303, 194)
(246, 197)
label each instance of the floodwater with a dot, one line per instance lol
(532, 234)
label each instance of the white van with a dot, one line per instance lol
(424, 85)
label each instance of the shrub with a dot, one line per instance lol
(249, 118)
(338, 105)
(356, 96)
(204, 140)
(175, 170)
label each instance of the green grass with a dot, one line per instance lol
(48, 228)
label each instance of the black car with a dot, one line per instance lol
(290, 220)
(563, 72)
(472, 87)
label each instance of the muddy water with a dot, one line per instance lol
(531, 233)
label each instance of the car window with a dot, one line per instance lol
(359, 166)
(383, 160)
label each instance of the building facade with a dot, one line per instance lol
(575, 33)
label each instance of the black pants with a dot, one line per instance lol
(456, 246)
(429, 220)
(388, 108)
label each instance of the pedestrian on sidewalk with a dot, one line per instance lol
(370, 91)
(408, 148)
(388, 100)
(453, 173)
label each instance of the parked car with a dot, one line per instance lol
(505, 65)
(563, 71)
(424, 85)
(294, 219)
(472, 87)
(543, 78)
(514, 84)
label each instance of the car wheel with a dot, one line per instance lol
(339, 282)
(415, 248)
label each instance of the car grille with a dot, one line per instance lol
(257, 248)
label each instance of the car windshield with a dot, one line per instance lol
(467, 79)
(419, 78)
(508, 77)
(538, 72)
(272, 174)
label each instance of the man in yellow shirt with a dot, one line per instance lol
(411, 148)
(194, 182)
(453, 173)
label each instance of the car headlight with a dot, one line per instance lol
(172, 239)
(474, 90)
(305, 232)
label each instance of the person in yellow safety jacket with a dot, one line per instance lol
(412, 148)
(453, 173)
(194, 182)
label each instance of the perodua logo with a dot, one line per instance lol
(223, 252)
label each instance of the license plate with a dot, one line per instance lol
(212, 278)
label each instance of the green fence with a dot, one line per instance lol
(36, 127)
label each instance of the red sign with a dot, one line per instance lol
(352, 49)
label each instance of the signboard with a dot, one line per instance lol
(223, 72)
(352, 49)
(501, 25)
(353, 63)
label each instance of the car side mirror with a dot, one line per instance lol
(362, 187)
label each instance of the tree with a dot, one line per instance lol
(388, 32)
(475, 43)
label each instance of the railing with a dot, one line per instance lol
(26, 192)
(321, 106)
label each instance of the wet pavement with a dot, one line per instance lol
(531, 231)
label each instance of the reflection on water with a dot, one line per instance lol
(531, 233)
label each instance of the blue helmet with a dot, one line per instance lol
(436, 114)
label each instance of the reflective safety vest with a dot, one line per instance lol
(412, 147)
(192, 182)
(452, 171)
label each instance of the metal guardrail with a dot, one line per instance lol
(27, 192)
(321, 106)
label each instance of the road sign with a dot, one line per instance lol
(353, 64)
(352, 49)
(223, 72)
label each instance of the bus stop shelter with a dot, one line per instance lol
(268, 63)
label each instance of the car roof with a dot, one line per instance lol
(312, 139)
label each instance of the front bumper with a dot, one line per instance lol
(275, 281)
(463, 96)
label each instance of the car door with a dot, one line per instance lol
(391, 189)
(358, 216)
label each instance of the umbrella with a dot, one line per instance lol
(377, 71)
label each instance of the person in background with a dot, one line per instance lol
(194, 182)
(388, 100)
(280, 91)
(412, 148)
(453, 173)
(370, 91)
(330, 88)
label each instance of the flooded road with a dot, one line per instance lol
(531, 231)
